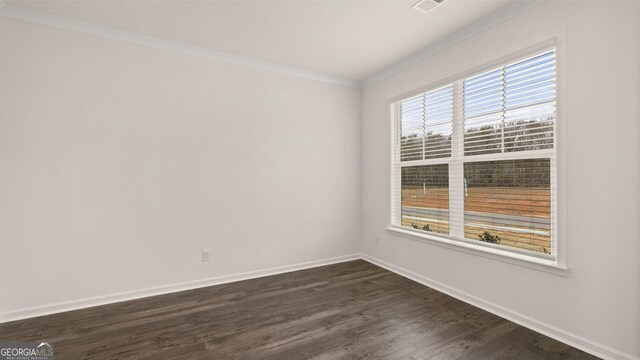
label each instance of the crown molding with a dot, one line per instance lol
(467, 32)
(64, 23)
(463, 34)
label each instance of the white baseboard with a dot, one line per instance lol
(576, 341)
(55, 308)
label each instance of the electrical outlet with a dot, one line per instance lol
(206, 255)
(376, 240)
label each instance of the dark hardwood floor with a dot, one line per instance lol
(352, 310)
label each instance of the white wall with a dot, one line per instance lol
(120, 163)
(598, 303)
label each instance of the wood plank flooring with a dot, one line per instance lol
(352, 310)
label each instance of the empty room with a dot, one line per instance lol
(327, 179)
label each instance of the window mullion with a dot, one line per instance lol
(396, 198)
(503, 115)
(456, 176)
(424, 125)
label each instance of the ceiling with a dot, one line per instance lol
(350, 39)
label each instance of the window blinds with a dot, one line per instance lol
(497, 185)
(426, 125)
(511, 108)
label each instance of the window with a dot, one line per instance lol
(425, 197)
(474, 160)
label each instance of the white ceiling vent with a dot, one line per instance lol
(426, 5)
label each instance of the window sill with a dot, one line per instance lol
(546, 265)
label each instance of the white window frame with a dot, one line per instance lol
(556, 263)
